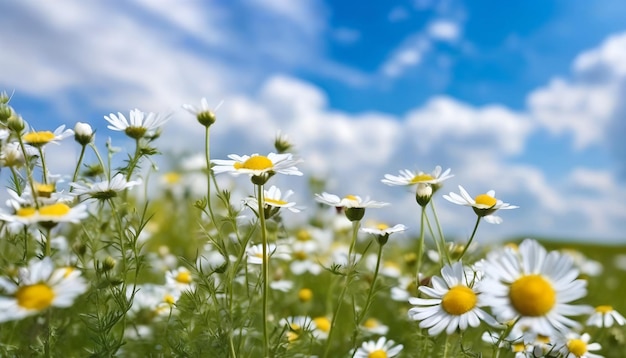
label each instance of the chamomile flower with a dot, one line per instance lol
(105, 189)
(533, 287)
(383, 231)
(605, 316)
(255, 253)
(484, 205)
(258, 165)
(47, 214)
(382, 348)
(274, 200)
(179, 279)
(454, 304)
(204, 114)
(349, 201)
(578, 346)
(139, 124)
(297, 326)
(409, 178)
(40, 138)
(39, 287)
(374, 326)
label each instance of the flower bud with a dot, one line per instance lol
(16, 123)
(83, 133)
(424, 194)
(206, 118)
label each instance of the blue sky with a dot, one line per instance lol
(521, 97)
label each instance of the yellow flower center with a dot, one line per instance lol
(275, 202)
(184, 277)
(371, 323)
(379, 353)
(486, 200)
(25, 212)
(300, 255)
(45, 190)
(350, 197)
(532, 295)
(292, 336)
(322, 323)
(577, 347)
(604, 309)
(420, 178)
(35, 297)
(257, 162)
(38, 138)
(171, 177)
(518, 347)
(459, 299)
(305, 295)
(169, 299)
(303, 235)
(382, 227)
(58, 209)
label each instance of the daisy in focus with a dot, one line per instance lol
(138, 125)
(38, 139)
(533, 287)
(578, 346)
(259, 167)
(38, 287)
(484, 205)
(382, 348)
(454, 303)
(105, 189)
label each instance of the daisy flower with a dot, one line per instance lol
(40, 138)
(255, 253)
(297, 326)
(349, 201)
(321, 327)
(382, 348)
(382, 231)
(533, 287)
(605, 316)
(179, 279)
(274, 201)
(204, 114)
(578, 346)
(139, 124)
(454, 303)
(47, 214)
(259, 167)
(374, 326)
(408, 177)
(105, 189)
(38, 287)
(484, 205)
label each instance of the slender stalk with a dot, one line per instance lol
(29, 173)
(76, 170)
(44, 170)
(207, 151)
(104, 168)
(370, 295)
(420, 248)
(469, 242)
(16, 180)
(349, 272)
(265, 268)
(440, 232)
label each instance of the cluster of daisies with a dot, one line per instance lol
(519, 298)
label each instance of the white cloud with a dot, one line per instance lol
(406, 56)
(444, 30)
(397, 14)
(611, 55)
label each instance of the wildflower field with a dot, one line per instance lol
(91, 265)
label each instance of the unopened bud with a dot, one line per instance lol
(83, 133)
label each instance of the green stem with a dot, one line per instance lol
(104, 168)
(445, 346)
(29, 173)
(349, 271)
(370, 295)
(440, 232)
(420, 248)
(44, 170)
(264, 268)
(469, 242)
(207, 150)
(17, 181)
(80, 160)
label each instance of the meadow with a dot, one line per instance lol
(125, 260)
